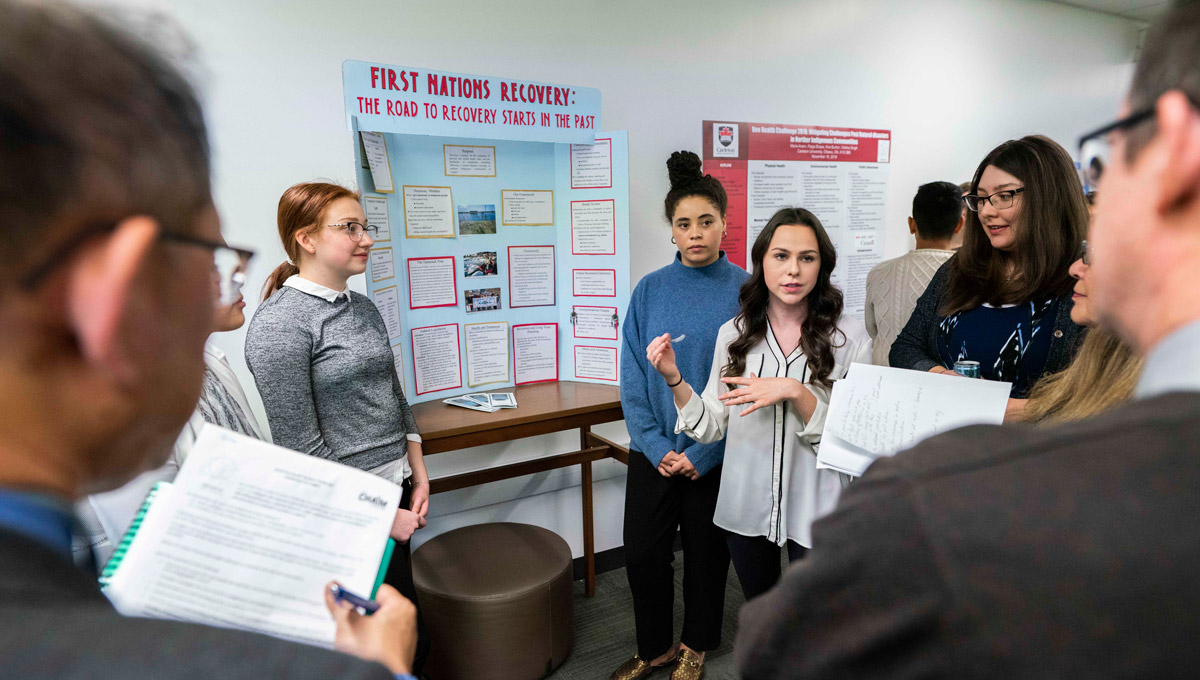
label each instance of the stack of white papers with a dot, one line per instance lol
(488, 402)
(877, 411)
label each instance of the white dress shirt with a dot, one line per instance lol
(770, 484)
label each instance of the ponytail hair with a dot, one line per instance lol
(684, 171)
(300, 210)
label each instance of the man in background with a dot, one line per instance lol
(894, 286)
(1060, 552)
(107, 238)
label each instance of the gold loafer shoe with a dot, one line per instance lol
(633, 669)
(688, 666)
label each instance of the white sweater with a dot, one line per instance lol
(892, 291)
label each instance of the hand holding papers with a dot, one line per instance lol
(877, 411)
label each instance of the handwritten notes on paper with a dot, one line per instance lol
(877, 411)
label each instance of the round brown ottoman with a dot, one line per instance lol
(497, 601)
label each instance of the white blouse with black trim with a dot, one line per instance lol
(770, 484)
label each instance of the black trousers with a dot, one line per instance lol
(757, 562)
(655, 506)
(399, 576)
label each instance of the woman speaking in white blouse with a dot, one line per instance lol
(772, 371)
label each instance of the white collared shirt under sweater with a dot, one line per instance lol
(770, 484)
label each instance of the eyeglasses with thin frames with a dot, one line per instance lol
(355, 230)
(999, 200)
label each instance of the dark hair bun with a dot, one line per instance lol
(683, 168)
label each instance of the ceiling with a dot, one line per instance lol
(1141, 10)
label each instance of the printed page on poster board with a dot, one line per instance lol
(597, 323)
(535, 353)
(462, 160)
(437, 363)
(431, 282)
(594, 227)
(428, 212)
(594, 282)
(596, 363)
(840, 174)
(377, 160)
(591, 165)
(398, 362)
(527, 208)
(376, 210)
(387, 300)
(487, 352)
(380, 265)
(531, 276)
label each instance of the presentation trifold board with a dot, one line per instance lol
(503, 249)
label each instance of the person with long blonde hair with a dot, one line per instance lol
(1102, 375)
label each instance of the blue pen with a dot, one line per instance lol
(362, 605)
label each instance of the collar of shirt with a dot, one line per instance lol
(316, 289)
(42, 517)
(1173, 365)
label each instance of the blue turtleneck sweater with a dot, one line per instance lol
(679, 300)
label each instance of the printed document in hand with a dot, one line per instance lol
(877, 411)
(249, 535)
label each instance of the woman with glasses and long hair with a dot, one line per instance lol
(1004, 299)
(768, 392)
(322, 361)
(223, 403)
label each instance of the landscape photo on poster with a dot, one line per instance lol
(482, 299)
(476, 219)
(482, 263)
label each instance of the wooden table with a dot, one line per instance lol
(541, 409)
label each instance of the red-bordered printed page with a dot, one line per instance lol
(596, 363)
(535, 352)
(531, 276)
(594, 282)
(591, 165)
(594, 227)
(597, 323)
(432, 282)
(437, 358)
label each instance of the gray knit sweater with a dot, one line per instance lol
(327, 378)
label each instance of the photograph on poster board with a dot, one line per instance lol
(531, 276)
(535, 352)
(597, 363)
(599, 323)
(527, 208)
(476, 219)
(375, 147)
(387, 300)
(487, 352)
(594, 282)
(431, 282)
(591, 165)
(381, 265)
(594, 227)
(482, 300)
(468, 161)
(376, 210)
(428, 212)
(480, 264)
(437, 365)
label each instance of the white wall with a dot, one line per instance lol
(950, 78)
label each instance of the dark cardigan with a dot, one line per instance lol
(916, 346)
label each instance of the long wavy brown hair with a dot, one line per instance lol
(1051, 226)
(824, 302)
(1103, 375)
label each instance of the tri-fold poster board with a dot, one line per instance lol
(503, 212)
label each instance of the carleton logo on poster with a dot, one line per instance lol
(725, 140)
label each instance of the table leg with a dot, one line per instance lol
(589, 547)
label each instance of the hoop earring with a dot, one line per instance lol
(724, 235)
(672, 240)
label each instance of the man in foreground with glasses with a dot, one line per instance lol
(1060, 552)
(106, 298)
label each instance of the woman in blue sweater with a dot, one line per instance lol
(673, 481)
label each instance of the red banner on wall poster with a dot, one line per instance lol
(732, 175)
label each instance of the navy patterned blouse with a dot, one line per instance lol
(1010, 343)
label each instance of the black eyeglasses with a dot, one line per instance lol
(1085, 253)
(999, 200)
(229, 262)
(1095, 148)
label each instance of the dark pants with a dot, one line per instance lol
(757, 562)
(655, 506)
(399, 576)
